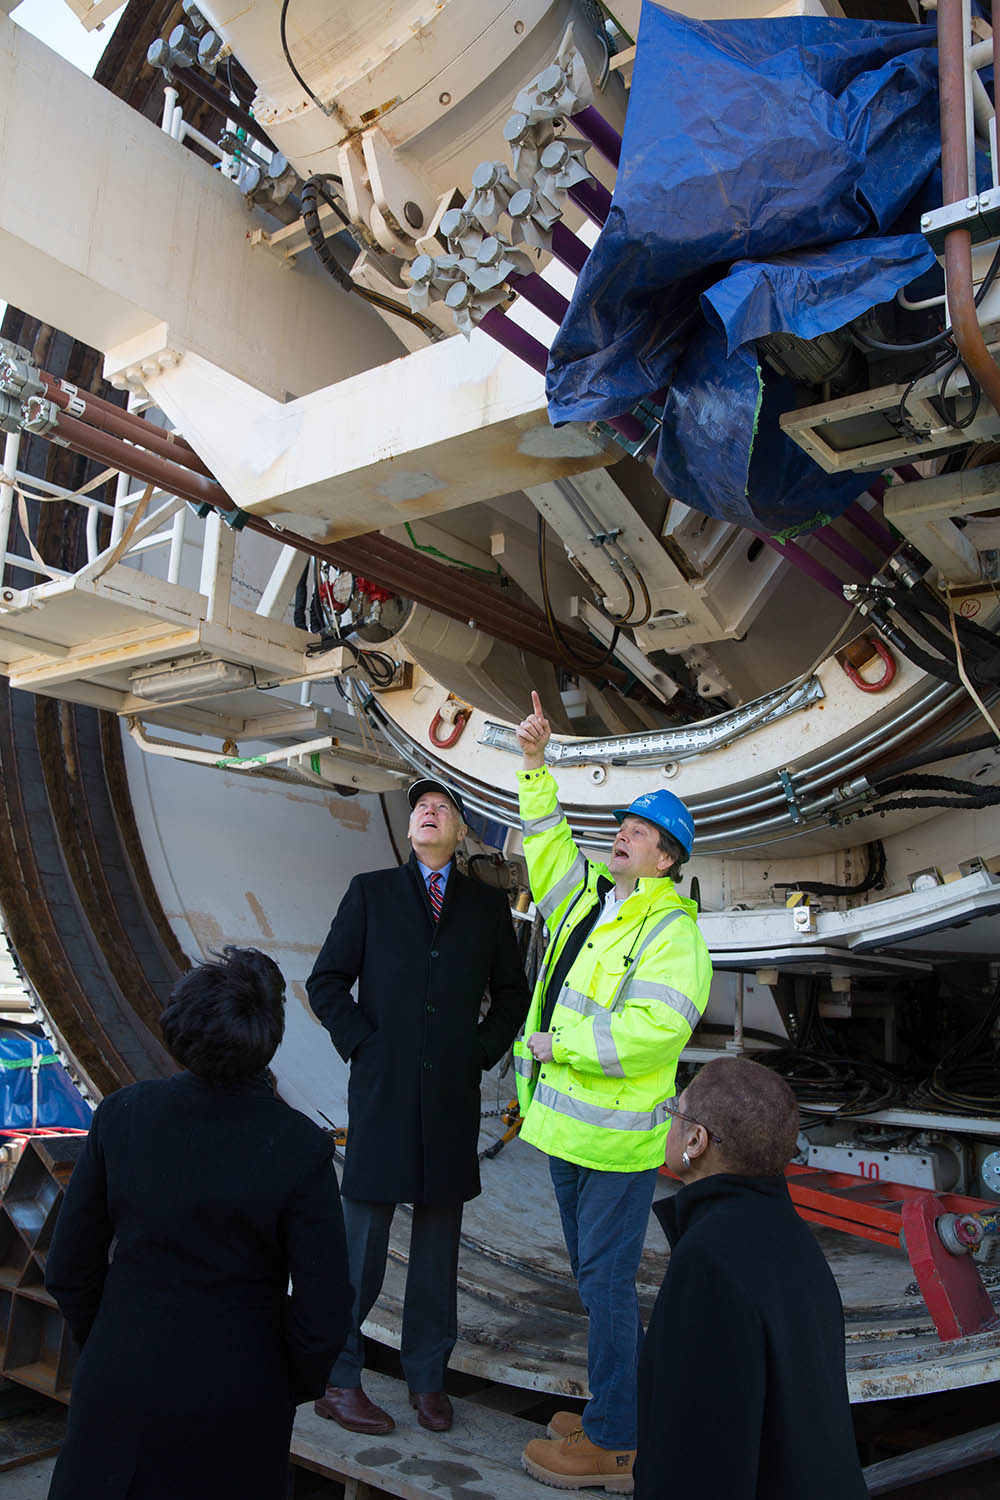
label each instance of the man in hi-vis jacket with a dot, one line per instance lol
(624, 983)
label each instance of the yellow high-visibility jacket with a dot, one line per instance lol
(629, 1003)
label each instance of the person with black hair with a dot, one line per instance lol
(742, 1386)
(194, 1202)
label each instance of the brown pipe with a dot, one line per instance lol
(465, 598)
(442, 589)
(377, 557)
(168, 476)
(125, 425)
(110, 407)
(955, 186)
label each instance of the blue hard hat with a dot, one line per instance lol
(665, 811)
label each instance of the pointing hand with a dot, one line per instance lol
(533, 734)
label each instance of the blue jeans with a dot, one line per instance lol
(604, 1218)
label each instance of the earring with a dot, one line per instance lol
(686, 1159)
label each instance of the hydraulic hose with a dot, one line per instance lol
(934, 666)
(980, 640)
(873, 879)
(313, 190)
(985, 673)
(931, 784)
(927, 757)
(918, 624)
(572, 657)
(959, 804)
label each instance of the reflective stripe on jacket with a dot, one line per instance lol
(628, 1005)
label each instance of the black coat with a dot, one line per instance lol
(194, 1355)
(742, 1389)
(414, 1039)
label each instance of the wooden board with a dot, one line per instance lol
(480, 1456)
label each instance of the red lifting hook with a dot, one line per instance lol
(460, 721)
(880, 683)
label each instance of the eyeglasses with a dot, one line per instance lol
(675, 1114)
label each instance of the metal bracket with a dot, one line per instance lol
(789, 790)
(666, 744)
(979, 215)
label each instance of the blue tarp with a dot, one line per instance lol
(772, 178)
(58, 1101)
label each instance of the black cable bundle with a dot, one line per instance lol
(571, 657)
(379, 667)
(930, 755)
(815, 1077)
(872, 880)
(818, 1075)
(316, 188)
(316, 620)
(301, 595)
(961, 795)
(943, 354)
(967, 1079)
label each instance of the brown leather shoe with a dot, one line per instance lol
(349, 1406)
(433, 1408)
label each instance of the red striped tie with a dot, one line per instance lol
(436, 894)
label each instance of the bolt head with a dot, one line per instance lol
(550, 80)
(521, 204)
(485, 175)
(454, 222)
(516, 128)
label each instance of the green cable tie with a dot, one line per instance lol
(472, 567)
(819, 519)
(314, 762)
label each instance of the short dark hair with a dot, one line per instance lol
(669, 845)
(225, 1018)
(751, 1109)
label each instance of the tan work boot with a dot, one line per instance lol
(563, 1423)
(574, 1462)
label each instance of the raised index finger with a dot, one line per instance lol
(536, 704)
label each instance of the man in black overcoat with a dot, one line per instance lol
(424, 943)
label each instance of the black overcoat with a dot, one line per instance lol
(194, 1354)
(416, 1044)
(742, 1387)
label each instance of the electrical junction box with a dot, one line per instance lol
(913, 1169)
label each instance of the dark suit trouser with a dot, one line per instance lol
(430, 1306)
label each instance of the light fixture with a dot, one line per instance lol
(193, 679)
